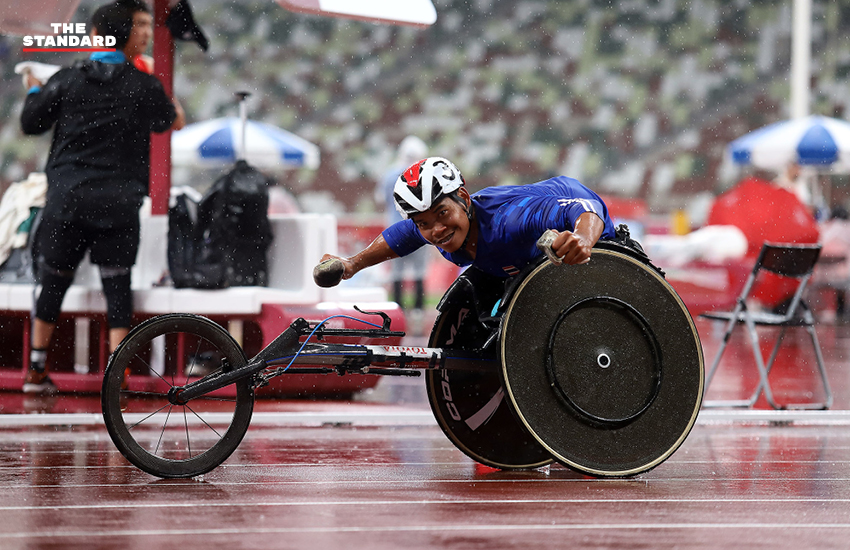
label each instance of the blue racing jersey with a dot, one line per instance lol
(510, 220)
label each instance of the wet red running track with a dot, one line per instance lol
(379, 474)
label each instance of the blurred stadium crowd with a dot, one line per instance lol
(633, 97)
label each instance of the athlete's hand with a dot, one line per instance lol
(572, 248)
(180, 120)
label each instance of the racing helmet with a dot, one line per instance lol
(422, 185)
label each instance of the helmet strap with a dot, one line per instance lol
(470, 215)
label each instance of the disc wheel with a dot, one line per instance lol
(161, 438)
(603, 364)
(472, 408)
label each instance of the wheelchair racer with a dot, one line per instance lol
(494, 230)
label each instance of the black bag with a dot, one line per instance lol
(226, 243)
(189, 259)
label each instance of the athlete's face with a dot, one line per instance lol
(141, 34)
(446, 223)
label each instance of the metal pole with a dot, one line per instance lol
(801, 55)
(160, 159)
(243, 119)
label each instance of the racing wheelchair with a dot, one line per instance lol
(596, 366)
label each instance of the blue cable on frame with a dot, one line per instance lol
(297, 353)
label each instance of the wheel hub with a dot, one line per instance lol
(603, 361)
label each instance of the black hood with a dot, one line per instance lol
(98, 71)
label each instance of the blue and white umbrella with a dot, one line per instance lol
(816, 141)
(219, 142)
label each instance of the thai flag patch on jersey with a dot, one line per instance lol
(510, 270)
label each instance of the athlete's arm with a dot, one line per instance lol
(41, 106)
(377, 252)
(575, 247)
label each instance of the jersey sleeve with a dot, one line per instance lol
(567, 212)
(403, 237)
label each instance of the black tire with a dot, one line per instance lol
(603, 363)
(174, 441)
(458, 398)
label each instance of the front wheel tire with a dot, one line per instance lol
(157, 436)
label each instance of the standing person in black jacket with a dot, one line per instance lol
(103, 110)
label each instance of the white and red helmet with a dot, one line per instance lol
(422, 185)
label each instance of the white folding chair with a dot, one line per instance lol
(794, 261)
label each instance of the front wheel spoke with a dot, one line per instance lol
(194, 359)
(186, 424)
(162, 432)
(149, 416)
(138, 393)
(150, 369)
(222, 399)
(170, 384)
(202, 420)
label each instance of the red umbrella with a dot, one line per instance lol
(765, 212)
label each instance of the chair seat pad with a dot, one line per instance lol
(762, 318)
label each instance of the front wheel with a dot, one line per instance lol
(157, 436)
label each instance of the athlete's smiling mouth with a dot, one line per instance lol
(446, 240)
